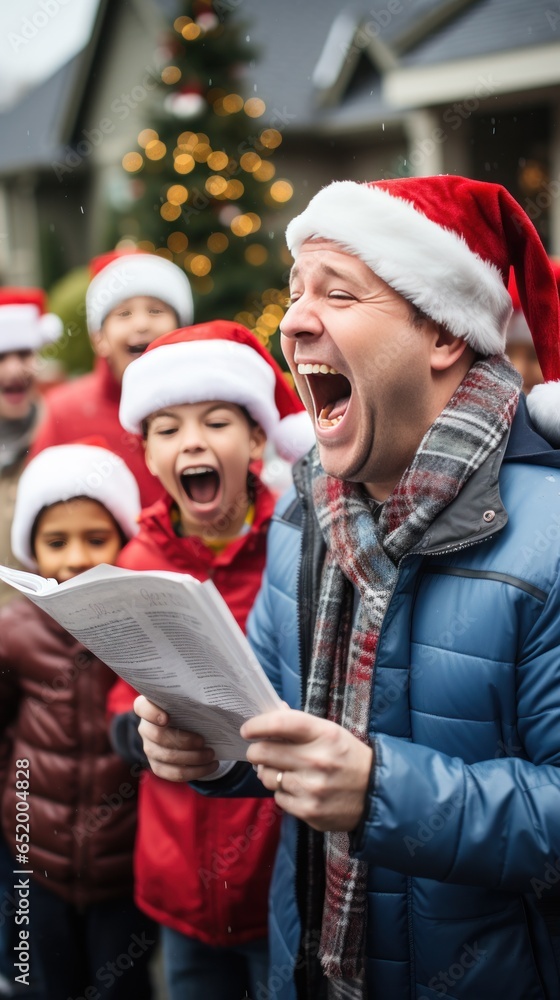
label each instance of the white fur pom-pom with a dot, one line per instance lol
(51, 327)
(294, 436)
(543, 403)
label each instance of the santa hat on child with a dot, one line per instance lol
(24, 324)
(220, 360)
(64, 472)
(122, 274)
(446, 244)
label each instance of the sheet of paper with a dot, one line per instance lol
(174, 640)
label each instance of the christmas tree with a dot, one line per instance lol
(204, 190)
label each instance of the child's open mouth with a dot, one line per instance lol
(330, 390)
(136, 349)
(201, 483)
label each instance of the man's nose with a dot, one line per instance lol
(302, 317)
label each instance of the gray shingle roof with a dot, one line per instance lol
(490, 26)
(291, 36)
(32, 132)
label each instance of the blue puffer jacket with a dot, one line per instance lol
(462, 822)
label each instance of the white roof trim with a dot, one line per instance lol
(346, 42)
(334, 56)
(495, 73)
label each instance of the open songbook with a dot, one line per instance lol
(171, 637)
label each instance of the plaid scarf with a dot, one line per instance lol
(362, 561)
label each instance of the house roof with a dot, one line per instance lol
(294, 38)
(42, 122)
(488, 26)
(35, 126)
(322, 67)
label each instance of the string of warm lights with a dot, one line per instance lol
(225, 176)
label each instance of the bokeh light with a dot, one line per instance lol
(169, 212)
(281, 191)
(217, 242)
(265, 172)
(177, 242)
(250, 162)
(177, 194)
(184, 163)
(171, 75)
(254, 107)
(190, 32)
(200, 265)
(218, 160)
(147, 135)
(132, 162)
(270, 138)
(156, 150)
(232, 103)
(256, 254)
(216, 185)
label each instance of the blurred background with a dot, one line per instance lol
(197, 129)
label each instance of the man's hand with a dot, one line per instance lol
(172, 753)
(318, 771)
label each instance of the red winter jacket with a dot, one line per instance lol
(203, 865)
(60, 775)
(90, 406)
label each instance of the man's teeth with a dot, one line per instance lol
(316, 370)
(325, 420)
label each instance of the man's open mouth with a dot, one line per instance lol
(330, 391)
(14, 389)
(201, 483)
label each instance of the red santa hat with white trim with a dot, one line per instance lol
(221, 360)
(24, 323)
(66, 472)
(518, 331)
(123, 274)
(446, 244)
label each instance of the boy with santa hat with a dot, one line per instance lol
(25, 327)
(206, 399)
(133, 297)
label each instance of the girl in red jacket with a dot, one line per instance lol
(68, 803)
(206, 398)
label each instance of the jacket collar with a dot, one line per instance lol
(477, 512)
(157, 521)
(110, 387)
(526, 444)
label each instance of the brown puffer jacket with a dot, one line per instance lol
(81, 795)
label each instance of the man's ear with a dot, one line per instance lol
(447, 349)
(258, 443)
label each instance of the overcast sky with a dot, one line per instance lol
(38, 36)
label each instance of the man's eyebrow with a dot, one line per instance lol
(330, 272)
